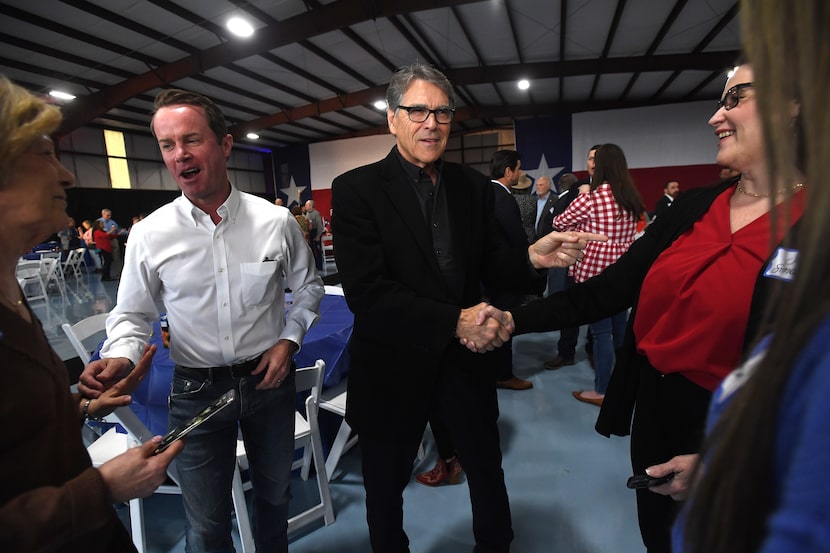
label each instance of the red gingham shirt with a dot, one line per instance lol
(598, 212)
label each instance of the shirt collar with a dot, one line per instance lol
(227, 211)
(502, 185)
(413, 172)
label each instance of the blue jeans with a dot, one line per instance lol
(608, 338)
(206, 464)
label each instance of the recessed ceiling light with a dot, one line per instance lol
(524, 84)
(240, 27)
(252, 136)
(59, 94)
(380, 104)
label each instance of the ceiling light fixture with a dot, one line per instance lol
(252, 136)
(524, 84)
(380, 104)
(240, 27)
(59, 94)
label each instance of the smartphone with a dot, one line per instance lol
(185, 428)
(640, 481)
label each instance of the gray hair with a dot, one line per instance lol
(404, 76)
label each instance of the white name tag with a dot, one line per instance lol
(783, 264)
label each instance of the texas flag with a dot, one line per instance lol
(545, 145)
(292, 174)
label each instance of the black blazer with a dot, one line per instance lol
(508, 216)
(404, 319)
(618, 288)
(545, 224)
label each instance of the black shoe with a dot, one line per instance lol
(557, 362)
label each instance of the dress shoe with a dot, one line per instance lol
(442, 473)
(557, 362)
(514, 383)
(593, 401)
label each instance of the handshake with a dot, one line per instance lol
(483, 327)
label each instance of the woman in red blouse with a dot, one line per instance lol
(696, 284)
(103, 241)
(610, 205)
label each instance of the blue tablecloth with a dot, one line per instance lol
(327, 340)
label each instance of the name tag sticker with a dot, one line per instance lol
(783, 264)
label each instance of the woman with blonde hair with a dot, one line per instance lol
(51, 498)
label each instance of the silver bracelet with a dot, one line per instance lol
(86, 415)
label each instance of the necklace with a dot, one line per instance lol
(793, 188)
(14, 304)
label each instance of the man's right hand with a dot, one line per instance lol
(101, 374)
(481, 334)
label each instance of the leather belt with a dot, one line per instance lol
(237, 370)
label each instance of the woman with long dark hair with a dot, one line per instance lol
(610, 205)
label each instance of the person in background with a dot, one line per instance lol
(545, 198)
(302, 220)
(115, 232)
(568, 337)
(70, 239)
(709, 256)
(556, 277)
(612, 207)
(52, 499)
(412, 280)
(219, 260)
(315, 222)
(671, 190)
(278, 201)
(505, 170)
(763, 485)
(91, 256)
(103, 244)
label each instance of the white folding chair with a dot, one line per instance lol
(327, 245)
(51, 270)
(31, 280)
(84, 329)
(306, 436)
(113, 443)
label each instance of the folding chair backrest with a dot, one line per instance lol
(83, 329)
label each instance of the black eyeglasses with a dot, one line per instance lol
(419, 114)
(732, 96)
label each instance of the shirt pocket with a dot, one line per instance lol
(259, 281)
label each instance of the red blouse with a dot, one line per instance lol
(694, 305)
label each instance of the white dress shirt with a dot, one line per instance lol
(223, 286)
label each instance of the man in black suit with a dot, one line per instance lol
(671, 190)
(415, 238)
(505, 170)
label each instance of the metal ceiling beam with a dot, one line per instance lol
(712, 61)
(730, 14)
(661, 34)
(330, 17)
(609, 40)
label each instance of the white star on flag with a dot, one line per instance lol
(292, 192)
(542, 170)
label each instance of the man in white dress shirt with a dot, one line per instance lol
(219, 260)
